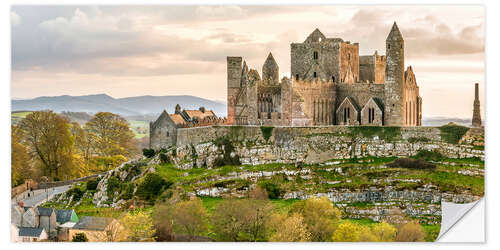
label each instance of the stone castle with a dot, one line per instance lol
(331, 84)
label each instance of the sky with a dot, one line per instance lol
(127, 51)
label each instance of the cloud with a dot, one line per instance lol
(15, 19)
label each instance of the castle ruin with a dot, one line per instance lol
(330, 84)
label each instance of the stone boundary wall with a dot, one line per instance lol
(312, 144)
(68, 182)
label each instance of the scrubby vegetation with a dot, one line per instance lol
(267, 132)
(385, 133)
(452, 133)
(411, 164)
(151, 187)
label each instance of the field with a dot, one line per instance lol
(140, 128)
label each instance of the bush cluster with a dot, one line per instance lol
(152, 186)
(76, 192)
(411, 164)
(92, 184)
(148, 152)
(429, 155)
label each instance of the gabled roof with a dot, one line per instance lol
(44, 211)
(93, 223)
(177, 119)
(30, 231)
(315, 36)
(379, 103)
(63, 216)
(352, 102)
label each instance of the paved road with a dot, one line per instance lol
(39, 196)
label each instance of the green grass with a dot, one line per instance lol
(135, 125)
(21, 114)
(431, 231)
(453, 133)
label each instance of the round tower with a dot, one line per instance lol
(394, 78)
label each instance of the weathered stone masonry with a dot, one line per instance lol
(310, 144)
(325, 72)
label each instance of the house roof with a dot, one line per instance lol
(177, 119)
(93, 223)
(68, 224)
(199, 114)
(63, 216)
(30, 231)
(44, 211)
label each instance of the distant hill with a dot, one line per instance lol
(129, 106)
(440, 121)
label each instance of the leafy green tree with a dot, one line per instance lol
(49, 140)
(288, 228)
(110, 134)
(190, 218)
(384, 232)
(152, 186)
(20, 159)
(410, 232)
(320, 217)
(138, 226)
(346, 232)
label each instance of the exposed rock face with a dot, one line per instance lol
(314, 144)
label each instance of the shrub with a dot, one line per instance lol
(418, 139)
(411, 164)
(128, 191)
(80, 237)
(76, 192)
(113, 185)
(267, 132)
(152, 186)
(273, 190)
(92, 184)
(164, 159)
(452, 133)
(148, 152)
(429, 155)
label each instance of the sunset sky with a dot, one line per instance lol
(181, 50)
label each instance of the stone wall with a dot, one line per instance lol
(313, 144)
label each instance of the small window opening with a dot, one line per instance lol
(297, 77)
(333, 78)
(315, 75)
(315, 55)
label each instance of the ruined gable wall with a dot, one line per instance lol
(162, 133)
(361, 92)
(302, 59)
(349, 61)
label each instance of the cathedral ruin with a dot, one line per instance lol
(330, 84)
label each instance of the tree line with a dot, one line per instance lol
(48, 144)
(255, 219)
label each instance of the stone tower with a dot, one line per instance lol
(394, 78)
(270, 70)
(233, 85)
(476, 115)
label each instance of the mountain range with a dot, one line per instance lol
(128, 106)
